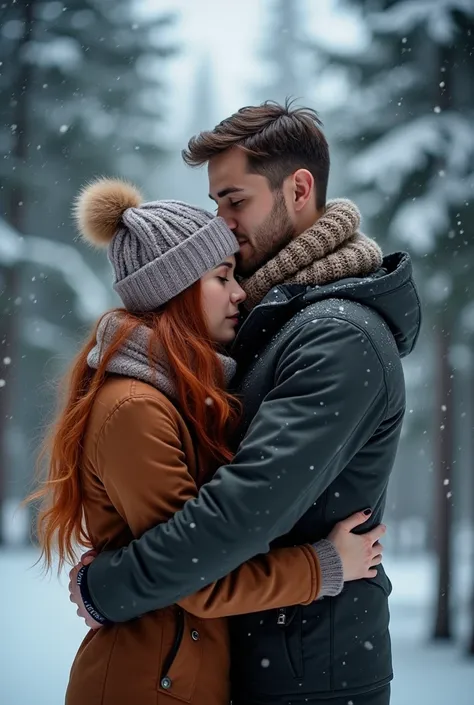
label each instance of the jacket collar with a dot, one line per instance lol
(390, 291)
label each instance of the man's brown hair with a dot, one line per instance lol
(278, 140)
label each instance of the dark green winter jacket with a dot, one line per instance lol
(324, 398)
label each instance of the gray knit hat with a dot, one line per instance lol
(156, 249)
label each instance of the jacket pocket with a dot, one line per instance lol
(360, 639)
(181, 657)
(290, 622)
(280, 651)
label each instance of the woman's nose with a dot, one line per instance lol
(238, 296)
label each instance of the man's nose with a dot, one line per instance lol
(230, 221)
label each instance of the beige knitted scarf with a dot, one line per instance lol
(332, 249)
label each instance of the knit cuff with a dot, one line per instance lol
(86, 597)
(332, 574)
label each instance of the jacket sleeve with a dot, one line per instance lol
(328, 399)
(158, 484)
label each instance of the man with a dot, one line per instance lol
(323, 397)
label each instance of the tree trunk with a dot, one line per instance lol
(470, 646)
(443, 478)
(11, 276)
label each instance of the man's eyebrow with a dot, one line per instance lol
(225, 192)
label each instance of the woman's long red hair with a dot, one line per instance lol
(180, 330)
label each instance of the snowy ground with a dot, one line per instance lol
(40, 634)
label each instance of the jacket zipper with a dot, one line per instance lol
(176, 643)
(285, 616)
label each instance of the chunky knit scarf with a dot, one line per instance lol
(332, 249)
(132, 358)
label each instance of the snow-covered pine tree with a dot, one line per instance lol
(82, 95)
(408, 128)
(286, 53)
(89, 78)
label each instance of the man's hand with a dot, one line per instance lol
(75, 591)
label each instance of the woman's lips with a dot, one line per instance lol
(234, 319)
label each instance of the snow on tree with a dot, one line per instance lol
(83, 91)
(407, 125)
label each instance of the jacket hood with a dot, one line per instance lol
(391, 292)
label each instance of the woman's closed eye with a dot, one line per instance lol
(223, 279)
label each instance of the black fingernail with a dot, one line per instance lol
(367, 512)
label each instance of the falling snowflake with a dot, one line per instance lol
(7, 360)
(265, 662)
(195, 560)
(192, 525)
(368, 645)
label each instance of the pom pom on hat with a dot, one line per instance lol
(100, 206)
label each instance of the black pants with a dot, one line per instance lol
(381, 696)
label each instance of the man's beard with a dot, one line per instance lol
(274, 234)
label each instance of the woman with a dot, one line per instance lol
(146, 421)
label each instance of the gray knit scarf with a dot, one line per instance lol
(332, 249)
(132, 358)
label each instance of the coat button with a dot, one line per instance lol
(166, 683)
(195, 635)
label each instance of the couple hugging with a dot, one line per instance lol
(227, 436)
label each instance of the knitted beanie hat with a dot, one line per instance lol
(157, 249)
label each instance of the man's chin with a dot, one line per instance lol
(245, 267)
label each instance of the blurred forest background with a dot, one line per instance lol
(117, 87)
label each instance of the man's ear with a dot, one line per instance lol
(303, 188)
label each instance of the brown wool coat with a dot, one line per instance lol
(139, 468)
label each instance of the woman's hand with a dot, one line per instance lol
(359, 553)
(75, 591)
